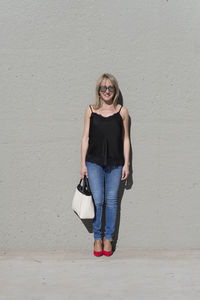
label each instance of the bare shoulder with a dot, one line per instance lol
(124, 112)
(88, 111)
(93, 107)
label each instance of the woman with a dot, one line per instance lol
(105, 154)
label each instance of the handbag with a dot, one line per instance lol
(82, 203)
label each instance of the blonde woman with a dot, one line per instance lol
(105, 156)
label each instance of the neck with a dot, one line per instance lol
(107, 104)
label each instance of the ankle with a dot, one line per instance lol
(97, 245)
(107, 244)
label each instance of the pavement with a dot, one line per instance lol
(135, 274)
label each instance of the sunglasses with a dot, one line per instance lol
(103, 88)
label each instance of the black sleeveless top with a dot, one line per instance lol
(105, 139)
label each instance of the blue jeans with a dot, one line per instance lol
(112, 174)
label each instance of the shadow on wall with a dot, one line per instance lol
(125, 184)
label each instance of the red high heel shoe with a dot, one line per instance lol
(98, 253)
(106, 253)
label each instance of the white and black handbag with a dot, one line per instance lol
(82, 203)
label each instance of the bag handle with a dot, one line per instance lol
(86, 183)
(85, 188)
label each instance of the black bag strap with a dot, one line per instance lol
(85, 189)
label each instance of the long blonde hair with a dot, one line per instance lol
(99, 100)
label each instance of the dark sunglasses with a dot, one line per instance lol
(103, 88)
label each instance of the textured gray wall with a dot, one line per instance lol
(52, 53)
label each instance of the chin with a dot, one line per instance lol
(108, 99)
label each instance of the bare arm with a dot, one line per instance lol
(85, 137)
(126, 144)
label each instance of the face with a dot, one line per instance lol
(108, 94)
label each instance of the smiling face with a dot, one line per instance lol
(109, 93)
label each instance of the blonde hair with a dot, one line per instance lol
(99, 100)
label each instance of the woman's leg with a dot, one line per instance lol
(96, 182)
(112, 182)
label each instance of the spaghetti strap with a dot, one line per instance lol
(120, 107)
(90, 107)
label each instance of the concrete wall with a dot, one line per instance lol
(51, 54)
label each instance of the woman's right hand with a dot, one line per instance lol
(84, 171)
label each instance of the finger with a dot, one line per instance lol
(125, 175)
(86, 173)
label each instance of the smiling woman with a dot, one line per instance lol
(105, 155)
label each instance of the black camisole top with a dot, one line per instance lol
(105, 139)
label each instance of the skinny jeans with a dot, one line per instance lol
(112, 176)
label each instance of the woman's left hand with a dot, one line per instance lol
(125, 172)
